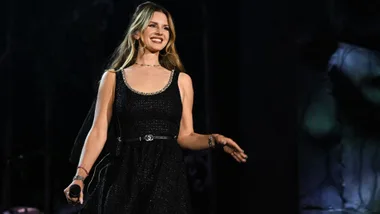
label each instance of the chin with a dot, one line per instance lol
(155, 50)
(156, 47)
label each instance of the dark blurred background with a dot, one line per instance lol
(338, 108)
(269, 74)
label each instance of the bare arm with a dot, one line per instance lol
(97, 135)
(187, 138)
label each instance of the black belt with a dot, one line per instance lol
(150, 137)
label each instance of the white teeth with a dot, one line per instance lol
(157, 40)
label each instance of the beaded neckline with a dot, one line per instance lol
(148, 93)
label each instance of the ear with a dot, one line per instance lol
(136, 35)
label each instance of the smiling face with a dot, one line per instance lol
(157, 33)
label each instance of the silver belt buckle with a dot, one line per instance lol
(148, 137)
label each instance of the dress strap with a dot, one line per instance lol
(175, 77)
(119, 77)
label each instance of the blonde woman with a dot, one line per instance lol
(151, 97)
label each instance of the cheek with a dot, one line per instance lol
(167, 42)
(147, 32)
(167, 36)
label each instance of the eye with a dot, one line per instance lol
(152, 25)
(167, 28)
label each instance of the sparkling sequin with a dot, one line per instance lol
(149, 177)
(151, 93)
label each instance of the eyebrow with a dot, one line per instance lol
(157, 23)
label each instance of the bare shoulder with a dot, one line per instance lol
(110, 73)
(108, 76)
(185, 80)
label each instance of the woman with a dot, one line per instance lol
(151, 97)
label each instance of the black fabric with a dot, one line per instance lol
(149, 138)
(140, 177)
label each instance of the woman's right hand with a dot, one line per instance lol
(67, 192)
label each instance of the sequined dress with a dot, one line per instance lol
(149, 177)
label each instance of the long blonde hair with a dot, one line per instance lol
(126, 53)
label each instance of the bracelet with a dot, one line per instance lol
(211, 141)
(79, 178)
(81, 167)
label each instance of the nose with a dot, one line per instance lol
(159, 31)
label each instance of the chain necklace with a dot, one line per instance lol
(157, 65)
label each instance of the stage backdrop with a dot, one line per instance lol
(339, 110)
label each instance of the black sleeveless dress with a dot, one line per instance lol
(147, 177)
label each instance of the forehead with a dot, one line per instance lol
(160, 18)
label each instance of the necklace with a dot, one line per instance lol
(157, 65)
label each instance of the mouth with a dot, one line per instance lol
(157, 40)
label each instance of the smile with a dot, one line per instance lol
(156, 40)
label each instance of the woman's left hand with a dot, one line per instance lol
(231, 147)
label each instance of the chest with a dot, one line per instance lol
(135, 105)
(148, 84)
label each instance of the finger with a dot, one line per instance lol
(235, 146)
(81, 197)
(235, 157)
(67, 195)
(242, 156)
(74, 200)
(228, 149)
(69, 200)
(242, 159)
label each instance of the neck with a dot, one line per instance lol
(147, 58)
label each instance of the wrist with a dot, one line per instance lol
(216, 145)
(82, 169)
(211, 141)
(81, 173)
(79, 178)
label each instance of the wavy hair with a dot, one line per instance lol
(126, 53)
